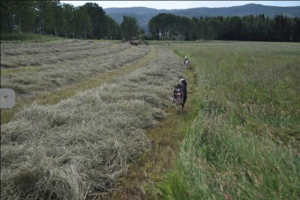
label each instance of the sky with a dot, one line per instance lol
(181, 4)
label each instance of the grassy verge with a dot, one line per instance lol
(27, 37)
(68, 91)
(244, 143)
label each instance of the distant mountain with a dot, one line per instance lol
(143, 14)
(136, 10)
(248, 9)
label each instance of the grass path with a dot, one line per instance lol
(145, 172)
(68, 91)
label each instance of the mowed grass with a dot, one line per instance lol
(244, 143)
(79, 147)
(51, 84)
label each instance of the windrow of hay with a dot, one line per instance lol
(57, 76)
(49, 50)
(21, 47)
(55, 56)
(79, 147)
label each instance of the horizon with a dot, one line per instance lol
(174, 5)
(199, 7)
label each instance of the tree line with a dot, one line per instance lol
(91, 22)
(247, 28)
(66, 20)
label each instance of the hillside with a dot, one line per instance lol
(143, 14)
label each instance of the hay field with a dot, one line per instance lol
(77, 148)
(48, 71)
(86, 111)
(245, 141)
(34, 75)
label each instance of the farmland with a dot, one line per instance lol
(79, 146)
(245, 141)
(90, 113)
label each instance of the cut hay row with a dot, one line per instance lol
(57, 76)
(79, 147)
(25, 46)
(42, 59)
(54, 97)
(55, 43)
(53, 49)
(8, 66)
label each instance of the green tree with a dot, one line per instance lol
(296, 29)
(141, 33)
(113, 29)
(59, 21)
(68, 12)
(7, 19)
(98, 20)
(186, 27)
(44, 16)
(153, 27)
(168, 27)
(23, 15)
(129, 27)
(82, 22)
(165, 26)
(201, 28)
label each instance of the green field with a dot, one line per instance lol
(94, 120)
(244, 143)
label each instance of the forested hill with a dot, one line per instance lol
(143, 15)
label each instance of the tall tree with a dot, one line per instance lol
(7, 19)
(82, 22)
(129, 27)
(98, 20)
(153, 27)
(296, 29)
(59, 21)
(45, 16)
(113, 29)
(68, 11)
(24, 14)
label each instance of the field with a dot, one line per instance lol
(78, 146)
(93, 120)
(245, 141)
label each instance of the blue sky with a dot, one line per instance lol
(181, 4)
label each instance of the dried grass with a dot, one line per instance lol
(55, 76)
(30, 48)
(79, 147)
(51, 55)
